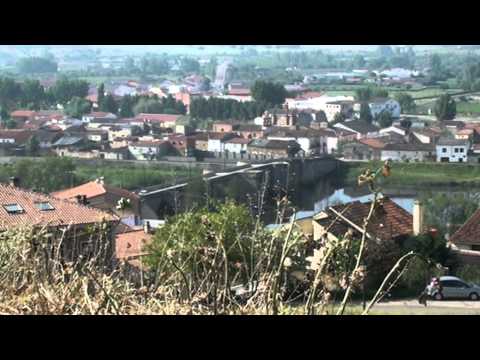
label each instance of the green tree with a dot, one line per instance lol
(189, 65)
(445, 107)
(65, 90)
(33, 146)
(126, 106)
(436, 66)
(36, 65)
(33, 94)
(406, 101)
(384, 119)
(269, 92)
(365, 113)
(100, 95)
(109, 104)
(363, 94)
(320, 116)
(77, 107)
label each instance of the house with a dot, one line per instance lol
(379, 105)
(394, 129)
(237, 147)
(216, 141)
(359, 127)
(184, 145)
(98, 115)
(201, 141)
(99, 195)
(278, 117)
(426, 136)
(162, 120)
(389, 222)
(118, 153)
(408, 152)
(312, 142)
(149, 149)
(333, 108)
(22, 208)
(130, 246)
(47, 137)
(222, 127)
(15, 137)
(260, 149)
(97, 135)
(363, 149)
(22, 116)
(452, 150)
(466, 134)
(465, 242)
(120, 131)
(249, 131)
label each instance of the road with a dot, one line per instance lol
(412, 307)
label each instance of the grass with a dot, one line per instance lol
(468, 107)
(417, 173)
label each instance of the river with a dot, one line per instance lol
(321, 196)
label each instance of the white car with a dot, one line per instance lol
(454, 288)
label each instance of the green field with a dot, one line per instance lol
(415, 173)
(468, 107)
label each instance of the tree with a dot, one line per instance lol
(148, 106)
(269, 92)
(406, 124)
(77, 107)
(320, 116)
(109, 104)
(189, 65)
(406, 101)
(436, 66)
(338, 118)
(35, 65)
(365, 113)
(33, 94)
(385, 51)
(363, 94)
(445, 108)
(64, 90)
(32, 146)
(359, 61)
(384, 119)
(126, 106)
(100, 95)
(10, 93)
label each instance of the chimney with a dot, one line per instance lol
(417, 217)
(14, 181)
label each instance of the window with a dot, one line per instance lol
(456, 150)
(462, 150)
(444, 150)
(44, 206)
(13, 209)
(476, 247)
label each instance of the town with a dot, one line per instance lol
(234, 134)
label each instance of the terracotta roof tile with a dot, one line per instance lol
(130, 244)
(469, 233)
(389, 221)
(63, 213)
(90, 190)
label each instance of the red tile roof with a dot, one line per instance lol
(63, 213)
(129, 245)
(469, 233)
(388, 221)
(158, 117)
(373, 143)
(23, 113)
(240, 92)
(20, 136)
(90, 190)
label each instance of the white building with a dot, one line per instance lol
(452, 150)
(237, 146)
(408, 152)
(317, 103)
(97, 115)
(382, 104)
(393, 129)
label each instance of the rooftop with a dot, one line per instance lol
(451, 142)
(469, 233)
(389, 220)
(90, 190)
(29, 208)
(359, 126)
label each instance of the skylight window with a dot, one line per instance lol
(44, 206)
(13, 209)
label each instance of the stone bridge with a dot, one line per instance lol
(244, 183)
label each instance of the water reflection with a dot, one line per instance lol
(324, 194)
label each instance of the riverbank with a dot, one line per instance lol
(414, 174)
